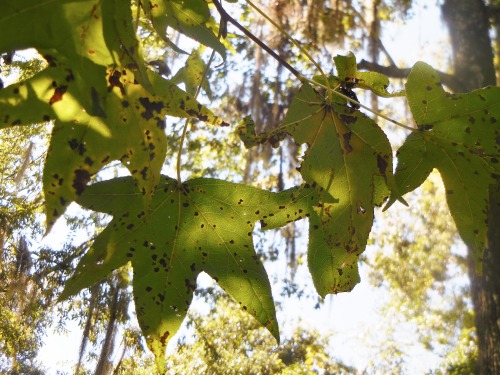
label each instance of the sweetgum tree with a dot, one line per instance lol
(105, 103)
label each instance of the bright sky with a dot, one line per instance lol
(350, 317)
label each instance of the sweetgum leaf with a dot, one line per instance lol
(204, 225)
(349, 162)
(459, 134)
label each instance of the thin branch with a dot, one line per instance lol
(227, 18)
(394, 72)
(291, 39)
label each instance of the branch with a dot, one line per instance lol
(393, 71)
(227, 18)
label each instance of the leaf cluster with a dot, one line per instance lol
(106, 104)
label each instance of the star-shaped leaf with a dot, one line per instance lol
(349, 161)
(202, 225)
(459, 134)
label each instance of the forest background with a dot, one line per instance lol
(430, 293)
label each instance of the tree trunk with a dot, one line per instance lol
(468, 25)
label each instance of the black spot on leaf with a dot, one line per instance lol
(347, 139)
(150, 107)
(144, 173)
(82, 177)
(114, 81)
(76, 145)
(348, 119)
(189, 286)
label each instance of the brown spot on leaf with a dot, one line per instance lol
(58, 94)
(164, 338)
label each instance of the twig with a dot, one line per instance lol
(226, 17)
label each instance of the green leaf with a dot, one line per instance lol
(349, 161)
(205, 225)
(188, 17)
(459, 134)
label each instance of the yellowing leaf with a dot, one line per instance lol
(459, 134)
(204, 225)
(349, 161)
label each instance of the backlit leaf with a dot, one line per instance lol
(86, 35)
(349, 161)
(204, 225)
(459, 134)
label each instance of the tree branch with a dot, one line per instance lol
(393, 71)
(227, 18)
